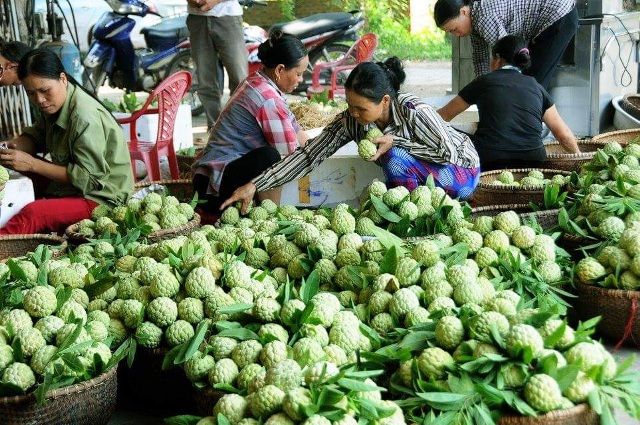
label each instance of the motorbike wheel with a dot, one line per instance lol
(328, 53)
(93, 79)
(184, 62)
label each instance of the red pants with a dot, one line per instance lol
(49, 215)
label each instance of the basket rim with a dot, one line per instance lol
(511, 187)
(615, 133)
(73, 235)
(61, 392)
(140, 185)
(609, 292)
(581, 155)
(28, 236)
(555, 414)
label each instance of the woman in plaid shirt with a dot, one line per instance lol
(546, 25)
(416, 141)
(256, 126)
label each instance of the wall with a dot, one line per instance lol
(266, 16)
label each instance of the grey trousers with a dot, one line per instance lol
(212, 39)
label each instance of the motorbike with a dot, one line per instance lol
(112, 55)
(326, 36)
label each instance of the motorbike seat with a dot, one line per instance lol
(316, 24)
(172, 28)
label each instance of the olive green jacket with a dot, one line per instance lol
(86, 139)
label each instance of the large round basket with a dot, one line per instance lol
(146, 387)
(12, 246)
(181, 188)
(76, 238)
(618, 308)
(631, 104)
(547, 219)
(558, 159)
(621, 136)
(91, 402)
(581, 414)
(206, 399)
(489, 194)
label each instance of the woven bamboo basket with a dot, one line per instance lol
(205, 399)
(618, 308)
(558, 159)
(91, 402)
(12, 246)
(145, 386)
(488, 194)
(76, 238)
(581, 414)
(181, 188)
(621, 136)
(631, 104)
(185, 162)
(547, 219)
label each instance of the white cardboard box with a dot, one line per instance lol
(18, 192)
(147, 127)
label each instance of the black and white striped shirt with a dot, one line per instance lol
(416, 127)
(493, 19)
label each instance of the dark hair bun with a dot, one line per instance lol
(522, 58)
(395, 71)
(281, 48)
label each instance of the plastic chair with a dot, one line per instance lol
(169, 94)
(361, 51)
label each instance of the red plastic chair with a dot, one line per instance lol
(361, 51)
(169, 94)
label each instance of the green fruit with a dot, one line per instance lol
(542, 393)
(402, 302)
(232, 406)
(434, 361)
(20, 375)
(611, 228)
(285, 375)
(225, 371)
(427, 253)
(148, 335)
(394, 196)
(550, 326)
(366, 149)
(266, 401)
(407, 271)
(480, 327)
(162, 311)
(580, 388)
(191, 310)
(40, 301)
(588, 270)
(449, 332)
(507, 221)
(295, 402)
(468, 292)
(524, 337)
(246, 352)
(179, 332)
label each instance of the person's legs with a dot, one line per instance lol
(49, 215)
(228, 38)
(236, 174)
(205, 57)
(402, 169)
(548, 47)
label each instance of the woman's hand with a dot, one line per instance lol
(384, 144)
(17, 160)
(244, 194)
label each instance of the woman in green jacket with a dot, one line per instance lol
(90, 162)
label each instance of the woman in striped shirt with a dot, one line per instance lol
(546, 25)
(416, 141)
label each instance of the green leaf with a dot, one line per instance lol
(388, 239)
(169, 358)
(222, 419)
(234, 308)
(16, 270)
(183, 420)
(354, 385)
(389, 261)
(552, 340)
(595, 402)
(566, 375)
(192, 346)
(444, 400)
(310, 287)
(383, 210)
(241, 334)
